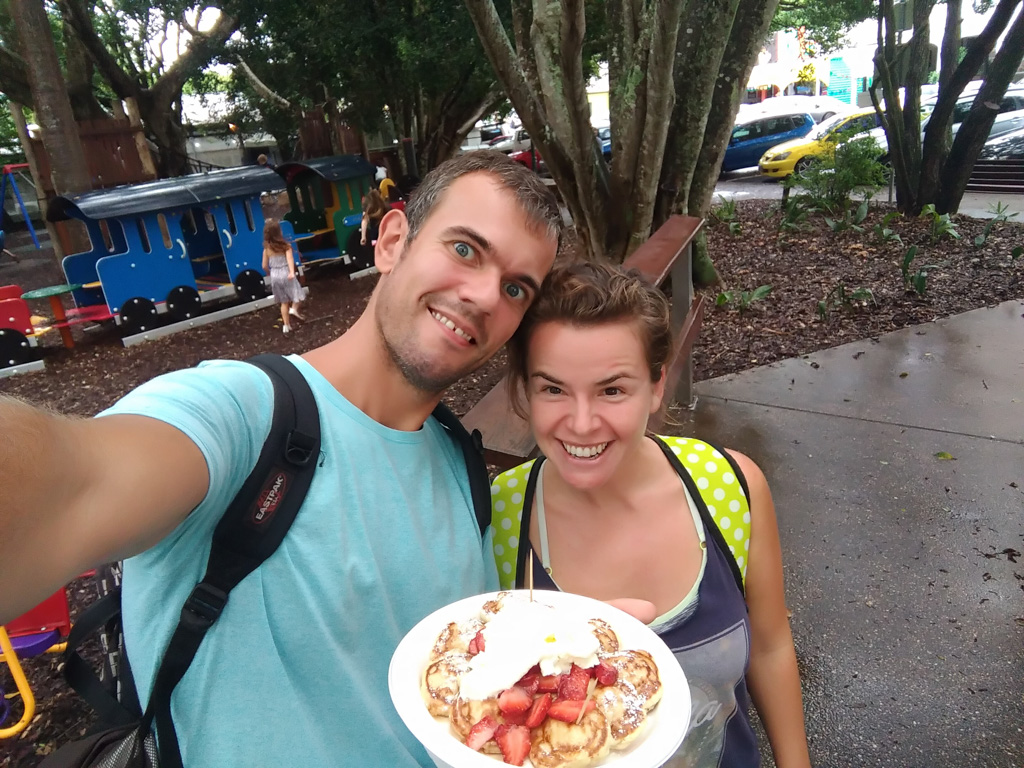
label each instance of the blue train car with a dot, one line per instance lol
(325, 195)
(167, 247)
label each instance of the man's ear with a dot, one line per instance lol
(394, 228)
(659, 392)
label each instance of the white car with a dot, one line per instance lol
(1010, 117)
(818, 107)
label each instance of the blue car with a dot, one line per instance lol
(754, 136)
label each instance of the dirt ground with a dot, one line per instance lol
(803, 268)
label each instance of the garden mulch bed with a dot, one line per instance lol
(802, 268)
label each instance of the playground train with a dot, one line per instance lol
(163, 252)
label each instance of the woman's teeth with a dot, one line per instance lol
(584, 451)
(451, 326)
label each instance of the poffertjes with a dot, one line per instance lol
(539, 715)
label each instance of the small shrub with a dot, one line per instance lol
(842, 298)
(942, 224)
(919, 279)
(848, 164)
(742, 299)
(1000, 214)
(884, 233)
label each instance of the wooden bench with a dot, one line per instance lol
(508, 440)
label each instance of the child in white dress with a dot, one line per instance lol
(280, 263)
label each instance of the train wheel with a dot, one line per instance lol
(138, 315)
(183, 303)
(249, 285)
(15, 349)
(361, 255)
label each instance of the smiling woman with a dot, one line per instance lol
(611, 511)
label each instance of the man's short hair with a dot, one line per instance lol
(533, 196)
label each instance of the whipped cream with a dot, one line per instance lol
(521, 635)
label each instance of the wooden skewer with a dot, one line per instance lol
(529, 575)
(590, 692)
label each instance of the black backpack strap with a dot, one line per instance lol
(249, 532)
(80, 674)
(709, 524)
(473, 451)
(525, 548)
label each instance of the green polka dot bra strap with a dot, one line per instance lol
(713, 477)
(710, 475)
(507, 493)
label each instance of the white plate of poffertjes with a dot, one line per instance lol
(638, 720)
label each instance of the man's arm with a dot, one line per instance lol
(75, 493)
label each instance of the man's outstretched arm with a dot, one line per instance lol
(75, 493)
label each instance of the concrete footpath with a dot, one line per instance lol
(903, 568)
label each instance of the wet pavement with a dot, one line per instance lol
(903, 568)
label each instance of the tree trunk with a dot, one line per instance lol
(748, 31)
(705, 32)
(79, 75)
(974, 131)
(68, 169)
(13, 77)
(164, 123)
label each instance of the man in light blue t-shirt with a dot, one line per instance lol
(295, 670)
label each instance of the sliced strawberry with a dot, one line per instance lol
(476, 645)
(515, 718)
(605, 673)
(514, 700)
(530, 681)
(573, 685)
(514, 743)
(538, 711)
(481, 733)
(568, 711)
(548, 684)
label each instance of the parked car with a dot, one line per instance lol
(754, 136)
(531, 159)
(517, 142)
(794, 156)
(818, 107)
(1010, 117)
(1009, 146)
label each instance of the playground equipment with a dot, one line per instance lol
(167, 247)
(325, 195)
(18, 336)
(41, 630)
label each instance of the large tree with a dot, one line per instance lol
(414, 63)
(125, 39)
(68, 169)
(936, 170)
(677, 70)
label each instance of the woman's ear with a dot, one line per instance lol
(394, 228)
(659, 392)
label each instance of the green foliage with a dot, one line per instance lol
(849, 221)
(742, 299)
(1017, 252)
(795, 211)
(917, 280)
(1000, 214)
(884, 233)
(942, 224)
(10, 147)
(842, 298)
(825, 23)
(848, 164)
(725, 213)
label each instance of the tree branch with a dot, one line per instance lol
(14, 78)
(81, 20)
(261, 88)
(198, 52)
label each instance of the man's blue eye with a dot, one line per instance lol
(464, 250)
(515, 291)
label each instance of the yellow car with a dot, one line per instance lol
(793, 156)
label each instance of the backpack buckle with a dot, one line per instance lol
(298, 448)
(204, 605)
